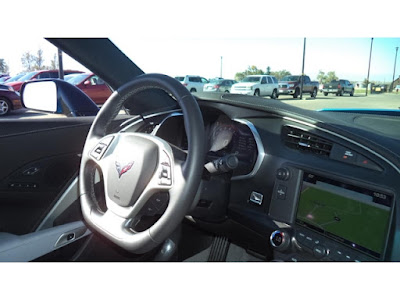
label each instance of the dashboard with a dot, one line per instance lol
(311, 189)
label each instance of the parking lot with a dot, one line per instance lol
(373, 101)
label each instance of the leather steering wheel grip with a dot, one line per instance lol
(187, 180)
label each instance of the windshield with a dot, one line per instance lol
(326, 60)
(28, 76)
(15, 78)
(290, 78)
(251, 79)
(75, 79)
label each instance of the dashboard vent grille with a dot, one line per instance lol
(304, 141)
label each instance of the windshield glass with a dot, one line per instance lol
(290, 78)
(15, 78)
(75, 79)
(326, 60)
(251, 79)
(28, 76)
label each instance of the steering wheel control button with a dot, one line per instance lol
(283, 174)
(281, 192)
(319, 251)
(256, 198)
(165, 170)
(98, 151)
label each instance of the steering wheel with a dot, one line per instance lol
(141, 176)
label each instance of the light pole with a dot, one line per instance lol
(220, 73)
(394, 70)
(369, 66)
(302, 70)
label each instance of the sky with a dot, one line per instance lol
(348, 57)
(192, 41)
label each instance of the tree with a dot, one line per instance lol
(3, 66)
(39, 60)
(280, 74)
(321, 77)
(268, 70)
(54, 63)
(27, 61)
(326, 78)
(251, 70)
(331, 76)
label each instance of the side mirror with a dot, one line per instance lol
(57, 96)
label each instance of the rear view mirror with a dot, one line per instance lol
(57, 96)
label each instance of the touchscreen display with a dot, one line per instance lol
(352, 215)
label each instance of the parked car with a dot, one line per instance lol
(42, 74)
(379, 88)
(257, 85)
(6, 87)
(192, 83)
(15, 78)
(91, 85)
(9, 100)
(338, 87)
(396, 88)
(219, 85)
(291, 85)
(4, 77)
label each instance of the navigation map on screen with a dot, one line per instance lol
(344, 213)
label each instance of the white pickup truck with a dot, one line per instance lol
(257, 85)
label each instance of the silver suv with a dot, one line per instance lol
(192, 82)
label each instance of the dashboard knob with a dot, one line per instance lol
(283, 174)
(280, 240)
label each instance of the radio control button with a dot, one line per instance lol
(300, 237)
(283, 174)
(281, 192)
(319, 251)
(308, 242)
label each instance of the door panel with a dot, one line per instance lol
(39, 158)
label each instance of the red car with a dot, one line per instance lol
(37, 75)
(91, 85)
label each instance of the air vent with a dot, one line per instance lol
(304, 141)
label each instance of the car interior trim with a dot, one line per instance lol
(346, 139)
(260, 150)
(70, 195)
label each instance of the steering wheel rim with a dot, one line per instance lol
(108, 154)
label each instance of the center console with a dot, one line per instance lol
(323, 217)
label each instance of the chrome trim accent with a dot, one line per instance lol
(344, 138)
(162, 113)
(66, 199)
(143, 118)
(260, 149)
